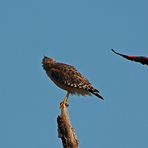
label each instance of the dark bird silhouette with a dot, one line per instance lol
(141, 59)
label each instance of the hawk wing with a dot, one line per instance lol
(68, 75)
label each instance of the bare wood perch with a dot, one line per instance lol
(65, 130)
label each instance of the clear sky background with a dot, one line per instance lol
(80, 33)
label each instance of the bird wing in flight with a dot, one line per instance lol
(141, 59)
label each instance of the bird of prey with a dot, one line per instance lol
(141, 59)
(68, 78)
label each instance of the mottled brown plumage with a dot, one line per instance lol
(68, 78)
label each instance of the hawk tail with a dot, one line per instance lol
(96, 93)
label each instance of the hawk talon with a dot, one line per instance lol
(64, 103)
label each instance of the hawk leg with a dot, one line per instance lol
(65, 101)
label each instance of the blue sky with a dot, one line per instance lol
(80, 33)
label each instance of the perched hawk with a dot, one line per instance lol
(68, 78)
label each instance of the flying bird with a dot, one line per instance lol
(141, 59)
(68, 78)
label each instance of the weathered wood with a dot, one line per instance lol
(65, 130)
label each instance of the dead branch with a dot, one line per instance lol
(65, 130)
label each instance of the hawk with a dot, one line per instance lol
(68, 78)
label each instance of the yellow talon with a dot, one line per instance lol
(65, 101)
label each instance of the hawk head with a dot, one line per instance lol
(48, 62)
